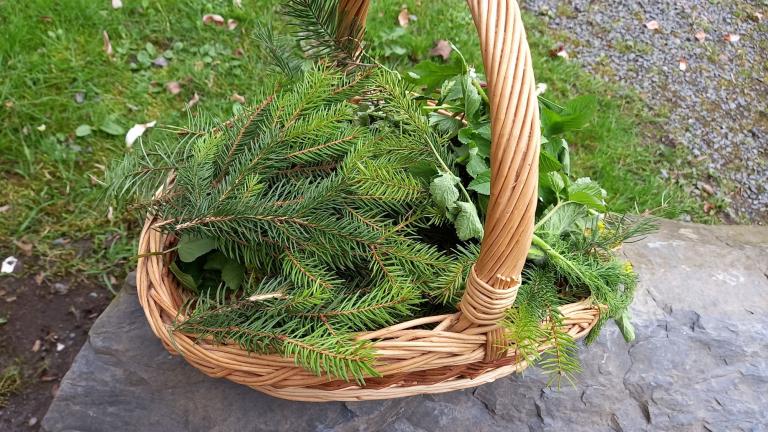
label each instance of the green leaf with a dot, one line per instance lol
(109, 126)
(482, 183)
(186, 280)
(233, 274)
(476, 164)
(574, 115)
(443, 190)
(548, 162)
(431, 74)
(587, 192)
(471, 97)
(556, 181)
(83, 130)
(216, 261)
(625, 326)
(467, 222)
(191, 248)
(445, 124)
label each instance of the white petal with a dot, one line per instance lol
(136, 131)
(117, 4)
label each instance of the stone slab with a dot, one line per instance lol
(699, 363)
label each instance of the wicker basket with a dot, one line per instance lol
(426, 355)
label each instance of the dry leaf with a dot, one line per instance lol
(214, 19)
(237, 98)
(731, 37)
(25, 247)
(117, 4)
(683, 64)
(231, 24)
(708, 207)
(37, 345)
(238, 3)
(107, 44)
(8, 104)
(559, 51)
(79, 97)
(652, 25)
(757, 16)
(110, 214)
(39, 278)
(238, 52)
(706, 188)
(173, 87)
(700, 36)
(192, 102)
(442, 49)
(403, 18)
(5, 208)
(540, 88)
(136, 131)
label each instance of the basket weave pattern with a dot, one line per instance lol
(431, 354)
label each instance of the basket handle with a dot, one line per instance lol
(494, 280)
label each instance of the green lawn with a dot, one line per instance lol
(55, 77)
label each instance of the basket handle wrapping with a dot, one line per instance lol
(495, 278)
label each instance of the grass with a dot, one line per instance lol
(10, 383)
(51, 57)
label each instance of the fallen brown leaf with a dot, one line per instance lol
(700, 36)
(237, 98)
(107, 44)
(192, 102)
(403, 18)
(39, 278)
(173, 87)
(37, 345)
(683, 64)
(214, 19)
(559, 51)
(231, 24)
(25, 247)
(731, 37)
(238, 52)
(708, 207)
(652, 25)
(5, 208)
(442, 49)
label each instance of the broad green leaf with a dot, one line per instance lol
(556, 181)
(216, 261)
(83, 130)
(574, 115)
(587, 192)
(191, 248)
(431, 74)
(567, 217)
(476, 164)
(186, 280)
(482, 183)
(109, 126)
(471, 97)
(443, 190)
(467, 222)
(445, 124)
(233, 274)
(548, 162)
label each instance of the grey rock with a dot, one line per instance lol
(700, 362)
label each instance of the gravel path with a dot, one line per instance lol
(717, 103)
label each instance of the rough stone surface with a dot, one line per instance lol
(700, 362)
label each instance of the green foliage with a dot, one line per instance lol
(294, 193)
